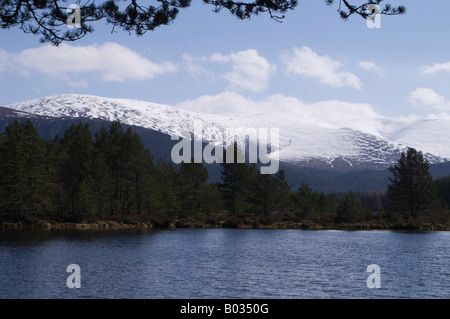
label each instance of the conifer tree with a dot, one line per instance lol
(101, 183)
(143, 176)
(323, 204)
(77, 168)
(131, 148)
(303, 200)
(49, 17)
(443, 186)
(234, 176)
(283, 189)
(2, 172)
(38, 161)
(138, 165)
(26, 184)
(166, 193)
(102, 175)
(411, 191)
(13, 177)
(263, 191)
(350, 209)
(191, 181)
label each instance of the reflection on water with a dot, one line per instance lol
(224, 263)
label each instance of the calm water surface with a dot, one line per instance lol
(224, 263)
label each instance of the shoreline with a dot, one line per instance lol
(194, 224)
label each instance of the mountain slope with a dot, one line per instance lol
(160, 144)
(304, 141)
(430, 135)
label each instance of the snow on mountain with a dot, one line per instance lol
(304, 140)
(429, 135)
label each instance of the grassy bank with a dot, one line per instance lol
(275, 221)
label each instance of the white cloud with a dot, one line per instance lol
(439, 116)
(428, 97)
(250, 71)
(227, 102)
(4, 59)
(81, 83)
(195, 68)
(306, 62)
(371, 66)
(436, 67)
(357, 116)
(113, 61)
(329, 113)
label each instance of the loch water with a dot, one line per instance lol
(224, 263)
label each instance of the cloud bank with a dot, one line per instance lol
(307, 63)
(436, 67)
(371, 66)
(359, 116)
(429, 98)
(113, 61)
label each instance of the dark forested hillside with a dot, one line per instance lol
(160, 144)
(83, 174)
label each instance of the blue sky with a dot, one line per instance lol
(213, 62)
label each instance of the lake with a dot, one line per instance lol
(224, 263)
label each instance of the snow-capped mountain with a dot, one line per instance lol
(303, 140)
(428, 135)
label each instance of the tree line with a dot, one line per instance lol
(80, 176)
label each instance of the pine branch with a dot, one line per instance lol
(48, 18)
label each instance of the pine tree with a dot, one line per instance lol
(77, 162)
(411, 191)
(263, 191)
(323, 204)
(83, 201)
(102, 177)
(138, 164)
(57, 172)
(101, 183)
(38, 160)
(191, 181)
(45, 17)
(443, 186)
(2, 175)
(283, 189)
(13, 177)
(167, 198)
(144, 175)
(303, 200)
(212, 199)
(234, 177)
(26, 184)
(117, 162)
(113, 144)
(350, 210)
(130, 149)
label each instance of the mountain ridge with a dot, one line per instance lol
(304, 141)
(160, 144)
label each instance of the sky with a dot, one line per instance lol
(313, 62)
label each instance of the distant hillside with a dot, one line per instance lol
(303, 140)
(160, 144)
